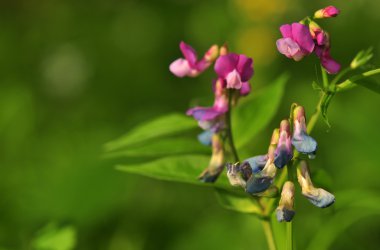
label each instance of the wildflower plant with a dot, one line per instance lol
(264, 185)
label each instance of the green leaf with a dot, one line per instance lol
(352, 206)
(161, 148)
(185, 168)
(238, 201)
(256, 112)
(168, 125)
(52, 237)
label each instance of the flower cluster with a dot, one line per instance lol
(233, 73)
(307, 37)
(256, 175)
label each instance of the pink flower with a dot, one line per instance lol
(190, 65)
(235, 69)
(322, 48)
(329, 11)
(296, 42)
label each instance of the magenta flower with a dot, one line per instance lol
(208, 115)
(296, 42)
(322, 48)
(235, 69)
(190, 65)
(329, 11)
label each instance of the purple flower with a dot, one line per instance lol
(284, 152)
(329, 11)
(235, 69)
(296, 42)
(190, 65)
(209, 114)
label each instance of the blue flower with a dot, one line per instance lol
(304, 143)
(317, 196)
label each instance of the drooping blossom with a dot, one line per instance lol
(255, 175)
(216, 165)
(285, 210)
(210, 118)
(322, 48)
(317, 196)
(303, 143)
(329, 11)
(235, 69)
(284, 151)
(190, 65)
(296, 42)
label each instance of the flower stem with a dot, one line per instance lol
(289, 235)
(228, 129)
(267, 226)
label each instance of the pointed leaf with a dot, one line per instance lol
(161, 148)
(252, 115)
(167, 125)
(185, 168)
(325, 105)
(238, 202)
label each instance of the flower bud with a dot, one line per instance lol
(330, 11)
(362, 58)
(223, 50)
(216, 165)
(284, 152)
(304, 143)
(212, 53)
(317, 196)
(285, 209)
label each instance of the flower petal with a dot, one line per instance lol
(189, 54)
(302, 36)
(180, 67)
(245, 67)
(286, 31)
(256, 163)
(245, 89)
(205, 137)
(225, 64)
(233, 80)
(288, 47)
(204, 113)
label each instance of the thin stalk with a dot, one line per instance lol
(289, 235)
(340, 75)
(267, 226)
(229, 130)
(325, 79)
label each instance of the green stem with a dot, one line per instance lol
(267, 226)
(289, 235)
(229, 130)
(340, 75)
(355, 78)
(325, 79)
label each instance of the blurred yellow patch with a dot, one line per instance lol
(261, 9)
(259, 43)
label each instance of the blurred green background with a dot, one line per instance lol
(76, 74)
